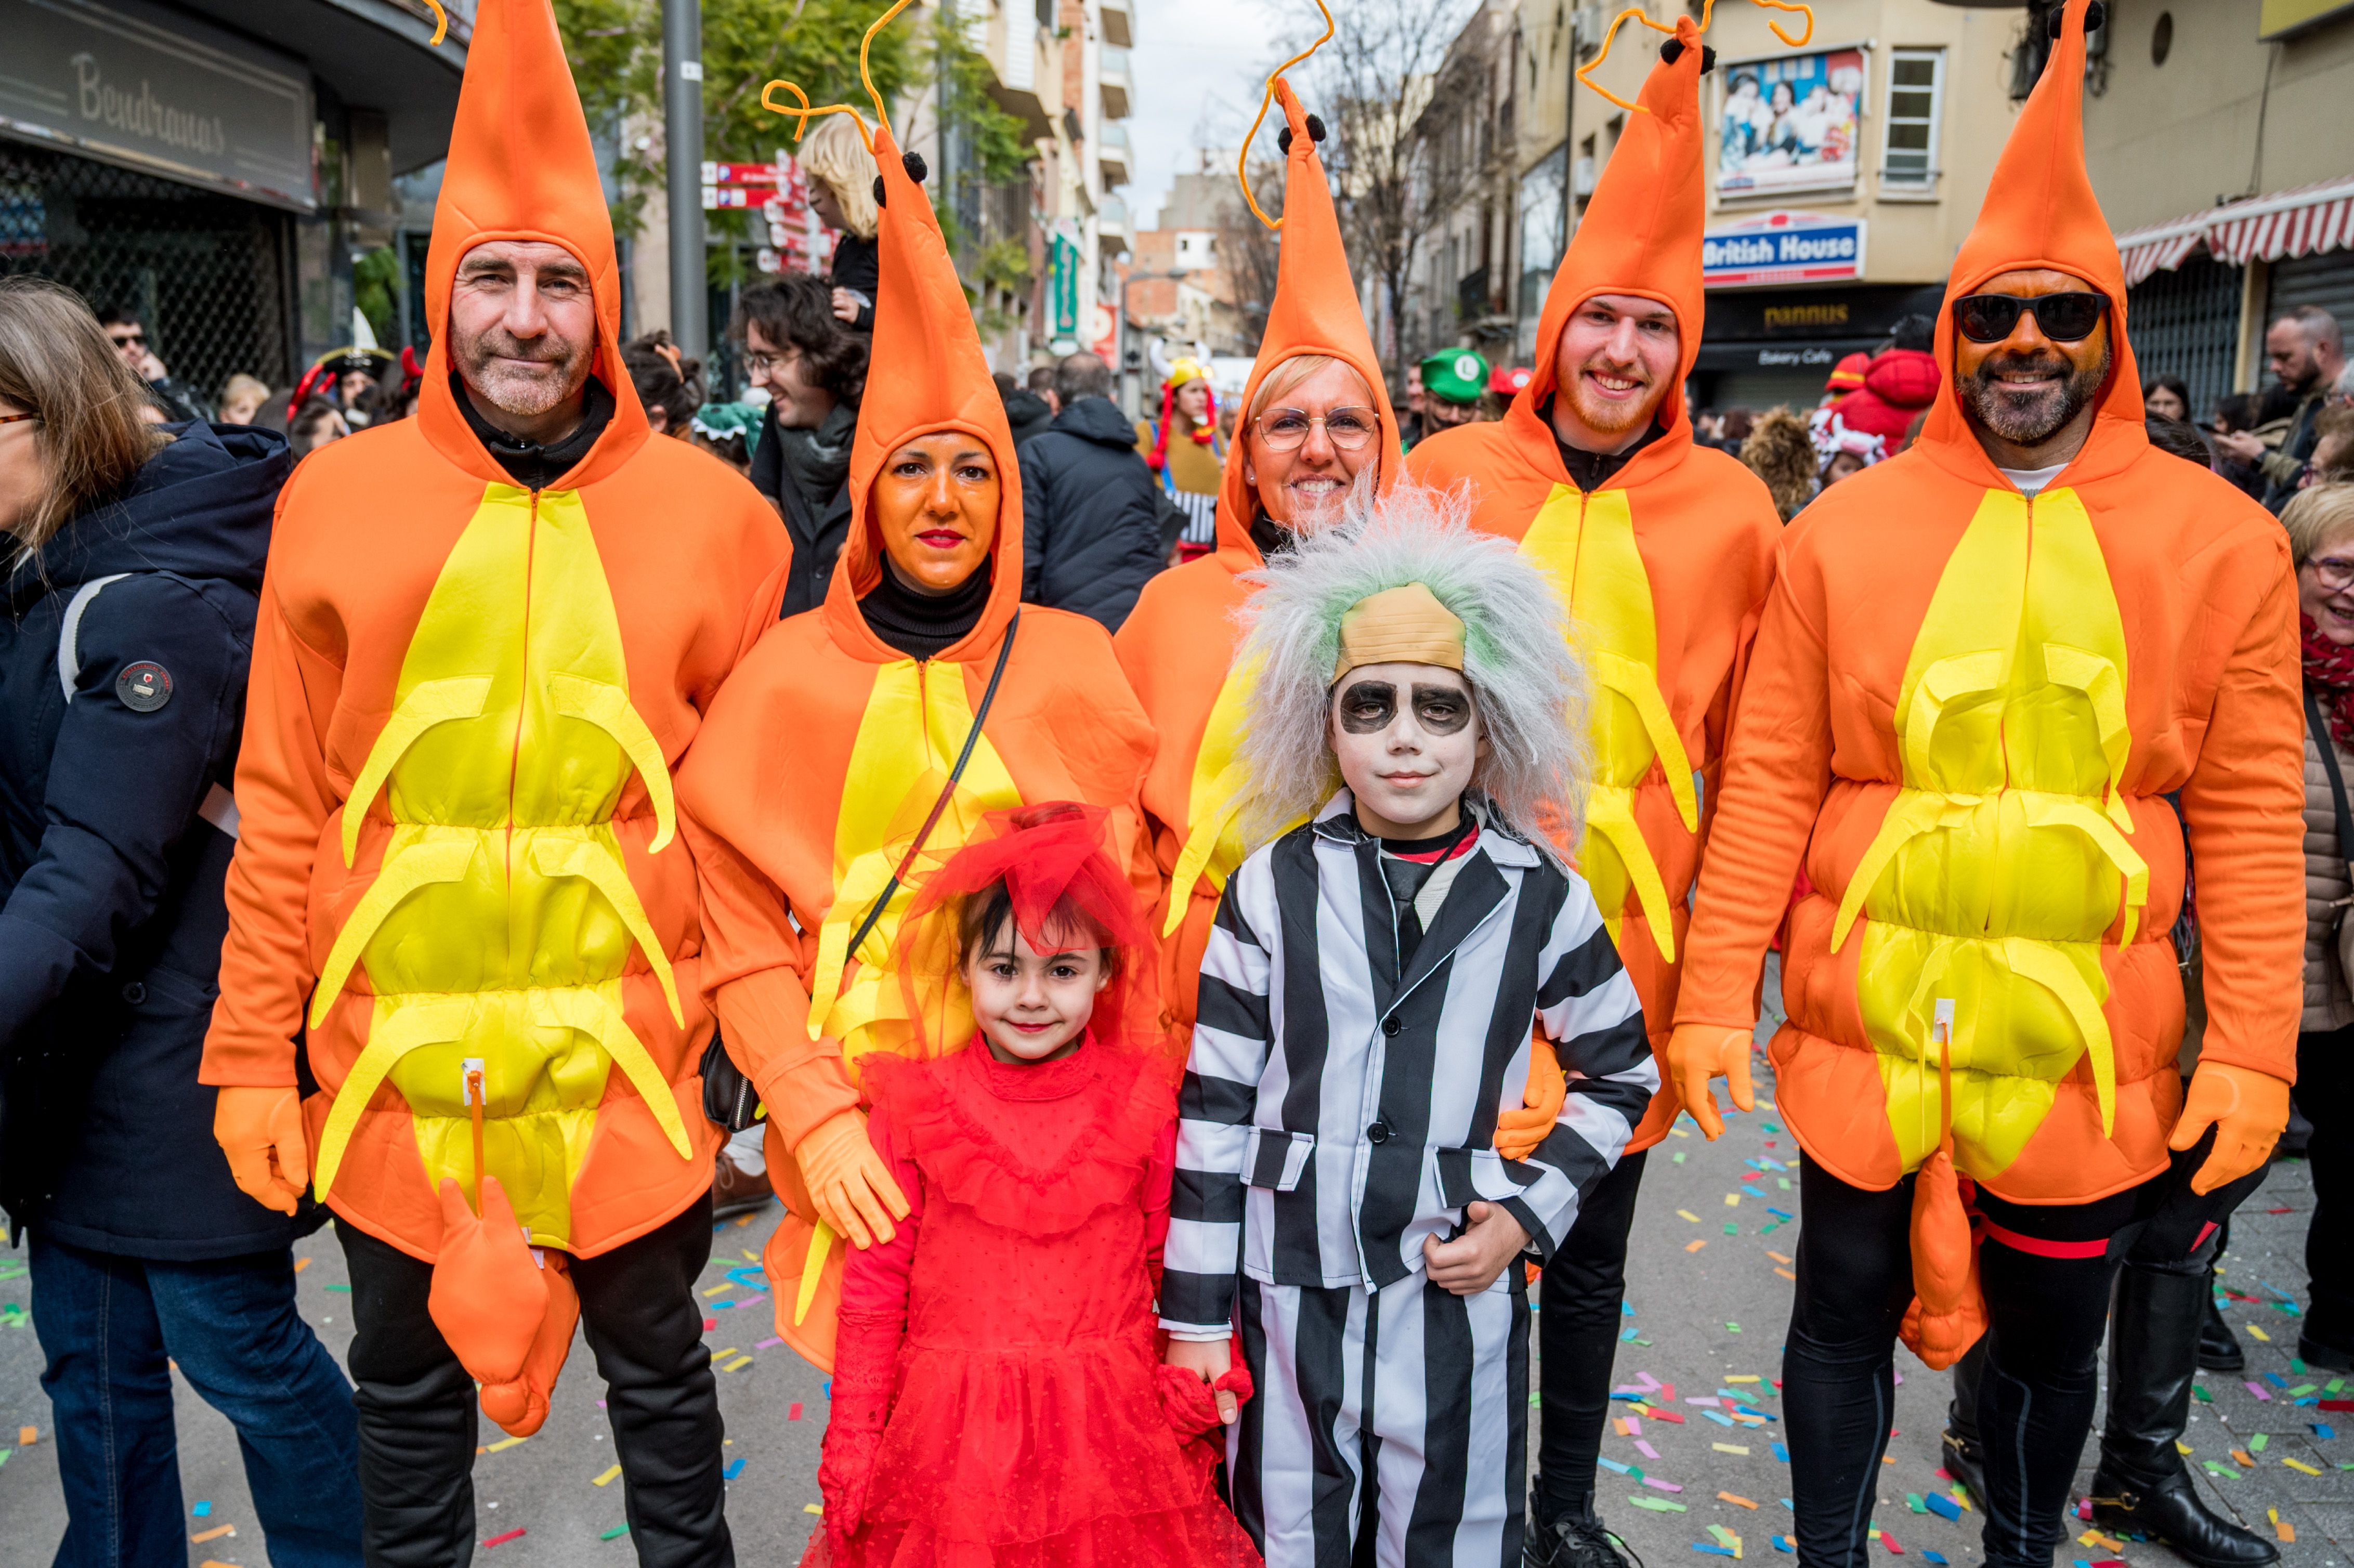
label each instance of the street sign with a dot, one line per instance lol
(1781, 247)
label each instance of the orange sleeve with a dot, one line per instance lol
(2242, 810)
(1776, 770)
(284, 800)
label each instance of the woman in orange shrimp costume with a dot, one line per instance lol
(1662, 550)
(828, 761)
(1983, 666)
(459, 880)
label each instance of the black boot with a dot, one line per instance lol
(2140, 1487)
(1966, 1462)
(2219, 1349)
(1574, 1539)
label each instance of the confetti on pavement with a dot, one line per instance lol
(515, 1534)
(612, 1472)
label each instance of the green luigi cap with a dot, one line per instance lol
(1457, 375)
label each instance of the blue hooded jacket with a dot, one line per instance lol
(115, 832)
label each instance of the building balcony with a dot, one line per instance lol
(1111, 152)
(1111, 76)
(1111, 225)
(1117, 29)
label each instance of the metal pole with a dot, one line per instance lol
(690, 305)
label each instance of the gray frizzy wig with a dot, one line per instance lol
(1530, 690)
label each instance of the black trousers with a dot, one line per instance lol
(1578, 1324)
(418, 1410)
(2325, 1081)
(2180, 1236)
(2039, 1385)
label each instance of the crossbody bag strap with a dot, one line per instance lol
(2317, 726)
(940, 806)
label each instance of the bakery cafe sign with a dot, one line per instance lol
(130, 84)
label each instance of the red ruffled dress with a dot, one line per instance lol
(1026, 1425)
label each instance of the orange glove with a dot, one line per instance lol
(260, 1131)
(2246, 1108)
(1699, 1052)
(1518, 1132)
(849, 1185)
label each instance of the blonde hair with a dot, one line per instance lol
(243, 388)
(56, 365)
(1295, 370)
(831, 152)
(2315, 513)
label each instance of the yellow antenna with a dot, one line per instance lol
(440, 24)
(805, 112)
(1707, 10)
(1265, 100)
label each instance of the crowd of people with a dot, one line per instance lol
(1199, 921)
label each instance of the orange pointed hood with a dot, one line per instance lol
(521, 168)
(1315, 310)
(1640, 235)
(2040, 213)
(926, 374)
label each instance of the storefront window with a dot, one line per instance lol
(1916, 85)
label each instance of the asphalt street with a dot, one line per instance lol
(1708, 1302)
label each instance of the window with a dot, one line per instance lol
(1915, 86)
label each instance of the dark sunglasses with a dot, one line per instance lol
(2064, 318)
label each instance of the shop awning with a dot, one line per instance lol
(2299, 222)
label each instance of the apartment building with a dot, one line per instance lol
(2217, 137)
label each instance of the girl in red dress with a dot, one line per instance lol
(997, 1394)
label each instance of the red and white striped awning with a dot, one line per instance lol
(2301, 222)
(2161, 247)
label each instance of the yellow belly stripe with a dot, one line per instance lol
(1587, 544)
(1214, 801)
(915, 722)
(500, 922)
(2003, 859)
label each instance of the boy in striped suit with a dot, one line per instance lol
(1371, 988)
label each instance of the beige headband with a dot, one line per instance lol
(1401, 626)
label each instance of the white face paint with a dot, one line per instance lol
(1407, 738)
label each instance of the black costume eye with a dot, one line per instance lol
(1443, 710)
(1368, 706)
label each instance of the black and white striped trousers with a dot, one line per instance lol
(1425, 1390)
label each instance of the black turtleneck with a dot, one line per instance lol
(1591, 470)
(1268, 535)
(529, 463)
(923, 626)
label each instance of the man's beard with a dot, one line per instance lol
(2030, 420)
(1604, 418)
(486, 363)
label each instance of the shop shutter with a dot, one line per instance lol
(2187, 322)
(2326, 279)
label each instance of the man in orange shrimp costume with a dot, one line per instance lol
(894, 715)
(487, 633)
(1983, 666)
(1662, 551)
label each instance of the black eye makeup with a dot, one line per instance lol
(1368, 706)
(1443, 710)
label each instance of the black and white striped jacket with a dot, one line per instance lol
(1329, 1121)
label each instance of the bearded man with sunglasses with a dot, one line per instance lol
(1985, 667)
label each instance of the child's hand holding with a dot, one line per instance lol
(1208, 1360)
(1466, 1266)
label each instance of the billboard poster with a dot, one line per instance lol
(1788, 123)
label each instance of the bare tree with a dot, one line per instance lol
(1370, 85)
(1249, 250)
